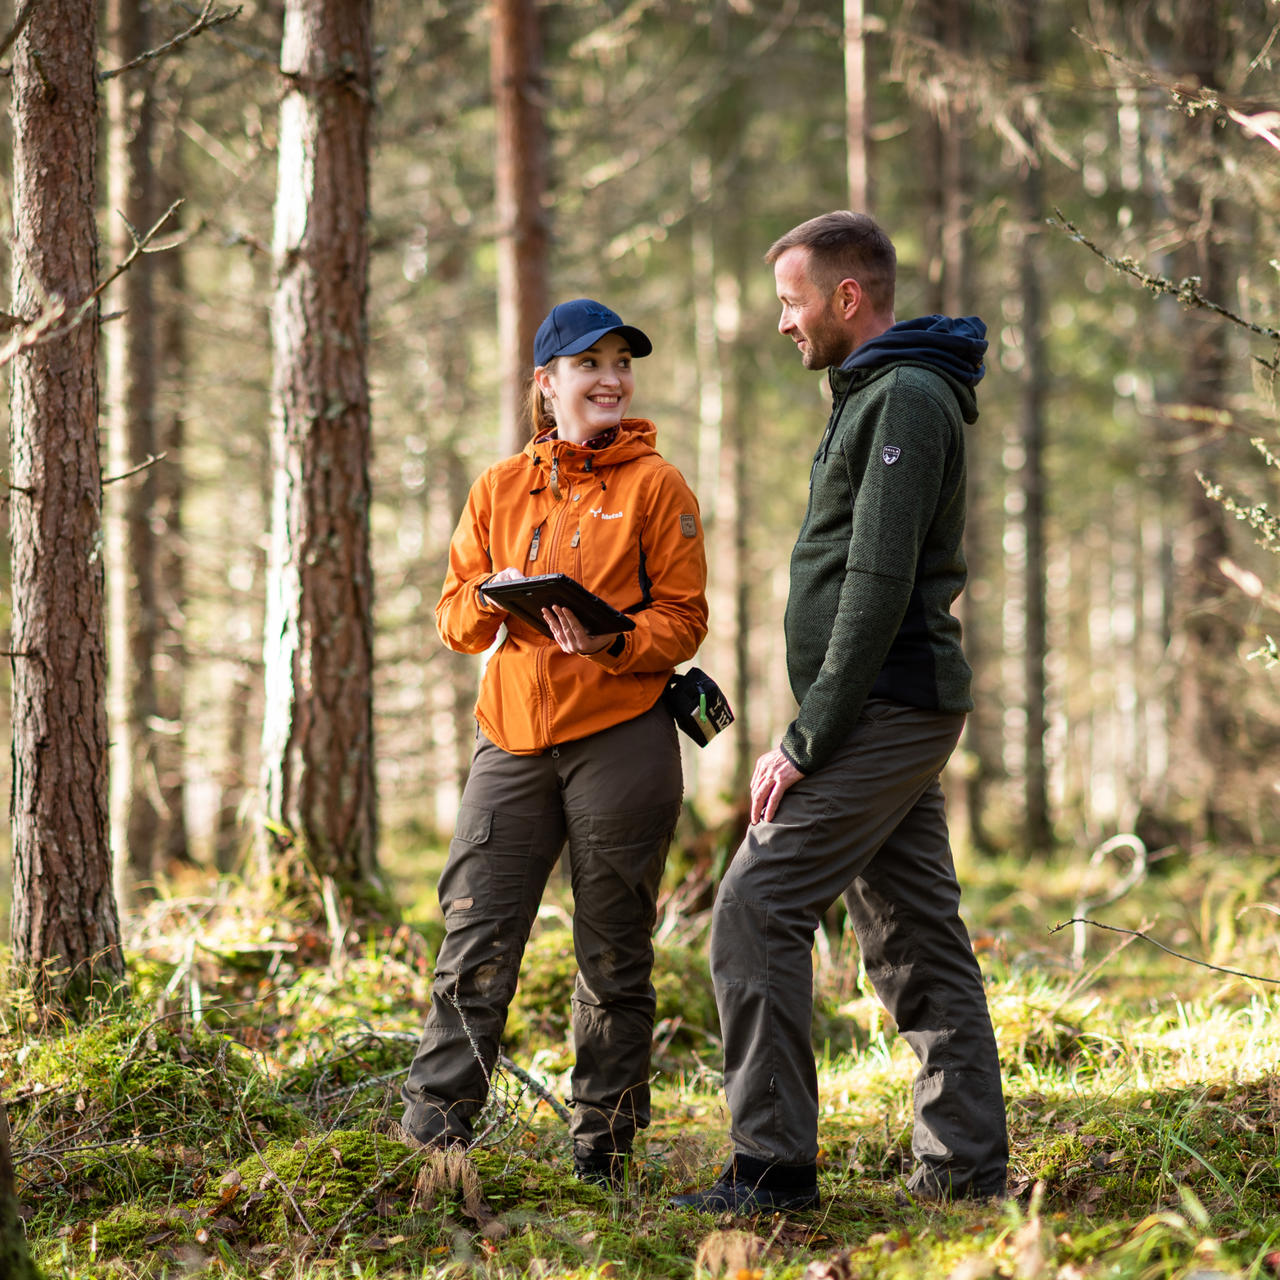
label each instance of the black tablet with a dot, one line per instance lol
(527, 597)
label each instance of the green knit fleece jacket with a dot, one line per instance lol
(878, 561)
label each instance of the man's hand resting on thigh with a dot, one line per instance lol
(774, 773)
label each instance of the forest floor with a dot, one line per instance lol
(236, 1116)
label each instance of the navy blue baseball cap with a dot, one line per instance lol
(574, 326)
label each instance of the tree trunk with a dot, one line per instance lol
(520, 180)
(65, 926)
(978, 763)
(131, 440)
(171, 548)
(229, 824)
(1036, 826)
(1206, 716)
(318, 764)
(15, 1260)
(857, 107)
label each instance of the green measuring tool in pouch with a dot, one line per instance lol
(699, 707)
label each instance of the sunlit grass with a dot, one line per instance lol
(1143, 1103)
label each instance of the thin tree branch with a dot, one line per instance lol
(37, 331)
(384, 1179)
(268, 57)
(1187, 290)
(534, 1087)
(1190, 97)
(1136, 873)
(1249, 583)
(152, 459)
(24, 16)
(1177, 955)
(205, 22)
(41, 328)
(1263, 125)
(140, 244)
(262, 1160)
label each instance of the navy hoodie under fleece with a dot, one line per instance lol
(878, 561)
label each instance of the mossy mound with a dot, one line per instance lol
(326, 1186)
(539, 1020)
(112, 1243)
(129, 1105)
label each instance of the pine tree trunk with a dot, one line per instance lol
(15, 1259)
(131, 440)
(229, 823)
(857, 107)
(171, 550)
(1036, 826)
(520, 180)
(978, 763)
(318, 763)
(1206, 716)
(65, 920)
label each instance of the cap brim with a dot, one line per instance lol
(637, 340)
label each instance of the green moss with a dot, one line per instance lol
(115, 1109)
(316, 1184)
(540, 1012)
(539, 1019)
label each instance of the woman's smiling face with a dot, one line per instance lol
(590, 391)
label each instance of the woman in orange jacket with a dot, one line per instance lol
(573, 742)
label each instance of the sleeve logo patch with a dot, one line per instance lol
(689, 526)
(890, 453)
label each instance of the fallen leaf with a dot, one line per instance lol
(730, 1252)
(837, 1267)
(977, 1266)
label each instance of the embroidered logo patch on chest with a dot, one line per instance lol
(890, 453)
(688, 526)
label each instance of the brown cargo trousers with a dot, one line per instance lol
(870, 824)
(615, 797)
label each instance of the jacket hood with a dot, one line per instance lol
(953, 345)
(636, 437)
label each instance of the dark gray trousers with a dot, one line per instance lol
(615, 798)
(870, 823)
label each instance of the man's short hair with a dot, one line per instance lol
(845, 245)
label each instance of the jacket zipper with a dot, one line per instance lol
(557, 520)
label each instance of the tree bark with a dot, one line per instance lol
(1036, 825)
(520, 182)
(131, 439)
(15, 1259)
(318, 763)
(857, 107)
(978, 763)
(173, 845)
(1206, 698)
(65, 927)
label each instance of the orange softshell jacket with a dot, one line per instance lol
(623, 522)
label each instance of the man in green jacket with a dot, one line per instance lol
(850, 801)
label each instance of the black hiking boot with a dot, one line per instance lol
(606, 1169)
(434, 1128)
(747, 1185)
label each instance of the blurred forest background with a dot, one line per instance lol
(1113, 602)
